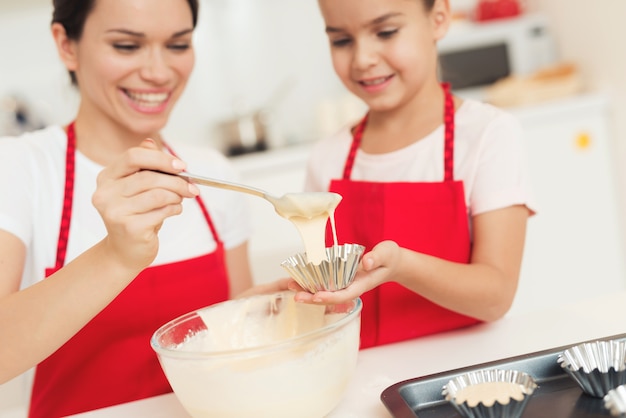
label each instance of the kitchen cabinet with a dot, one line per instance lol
(574, 245)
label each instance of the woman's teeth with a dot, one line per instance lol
(147, 99)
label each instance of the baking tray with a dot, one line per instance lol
(558, 395)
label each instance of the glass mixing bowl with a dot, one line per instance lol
(264, 356)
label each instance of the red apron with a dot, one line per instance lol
(110, 361)
(430, 218)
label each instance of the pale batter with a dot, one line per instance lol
(310, 212)
(488, 393)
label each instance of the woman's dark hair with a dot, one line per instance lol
(72, 14)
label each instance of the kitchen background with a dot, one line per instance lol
(272, 55)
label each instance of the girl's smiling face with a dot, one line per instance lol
(384, 51)
(133, 60)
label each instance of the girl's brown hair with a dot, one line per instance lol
(428, 4)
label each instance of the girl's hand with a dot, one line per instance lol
(134, 200)
(376, 267)
(266, 288)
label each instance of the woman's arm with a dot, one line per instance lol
(483, 289)
(34, 322)
(133, 203)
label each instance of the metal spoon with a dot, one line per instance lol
(305, 204)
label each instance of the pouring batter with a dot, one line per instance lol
(310, 213)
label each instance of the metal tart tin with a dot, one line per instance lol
(335, 273)
(513, 408)
(597, 366)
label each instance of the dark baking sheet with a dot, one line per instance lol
(557, 396)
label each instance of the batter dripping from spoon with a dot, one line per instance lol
(310, 213)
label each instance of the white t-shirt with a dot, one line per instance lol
(488, 158)
(32, 173)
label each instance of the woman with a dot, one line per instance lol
(93, 258)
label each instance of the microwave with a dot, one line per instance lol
(476, 54)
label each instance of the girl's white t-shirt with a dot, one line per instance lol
(32, 173)
(488, 157)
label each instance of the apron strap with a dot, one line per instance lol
(357, 135)
(448, 120)
(68, 197)
(203, 207)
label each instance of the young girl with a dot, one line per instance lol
(433, 186)
(87, 225)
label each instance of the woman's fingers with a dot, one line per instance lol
(134, 177)
(147, 156)
(134, 195)
(149, 181)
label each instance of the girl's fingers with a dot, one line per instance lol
(384, 254)
(355, 290)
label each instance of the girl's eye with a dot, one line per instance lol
(125, 47)
(386, 34)
(179, 46)
(338, 43)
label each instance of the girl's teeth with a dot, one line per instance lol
(148, 99)
(375, 81)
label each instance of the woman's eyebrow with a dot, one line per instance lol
(126, 32)
(382, 18)
(143, 35)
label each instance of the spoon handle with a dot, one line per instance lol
(222, 184)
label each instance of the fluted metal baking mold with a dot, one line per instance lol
(597, 366)
(335, 273)
(513, 409)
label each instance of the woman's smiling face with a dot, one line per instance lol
(133, 60)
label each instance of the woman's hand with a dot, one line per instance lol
(376, 267)
(133, 200)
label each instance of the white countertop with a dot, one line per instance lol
(380, 367)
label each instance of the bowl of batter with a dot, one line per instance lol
(260, 356)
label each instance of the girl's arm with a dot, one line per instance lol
(241, 281)
(238, 268)
(483, 289)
